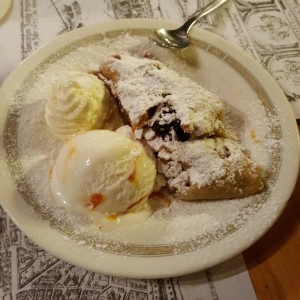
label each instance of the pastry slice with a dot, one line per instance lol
(211, 168)
(154, 96)
(182, 123)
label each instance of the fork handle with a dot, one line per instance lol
(210, 7)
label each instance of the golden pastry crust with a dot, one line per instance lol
(212, 168)
(245, 183)
(153, 95)
(182, 123)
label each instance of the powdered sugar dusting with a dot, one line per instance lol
(201, 113)
(180, 221)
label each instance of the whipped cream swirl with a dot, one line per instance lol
(78, 103)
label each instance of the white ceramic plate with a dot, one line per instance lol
(192, 236)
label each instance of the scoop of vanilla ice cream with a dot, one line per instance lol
(79, 102)
(102, 172)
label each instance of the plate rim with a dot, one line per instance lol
(166, 266)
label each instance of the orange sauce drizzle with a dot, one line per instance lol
(112, 217)
(71, 152)
(134, 204)
(96, 199)
(133, 176)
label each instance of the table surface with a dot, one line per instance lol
(274, 261)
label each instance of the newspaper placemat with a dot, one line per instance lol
(269, 31)
(29, 272)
